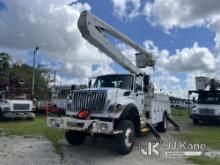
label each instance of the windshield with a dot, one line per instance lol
(209, 99)
(114, 81)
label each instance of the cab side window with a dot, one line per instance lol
(138, 84)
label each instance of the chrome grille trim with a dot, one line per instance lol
(89, 100)
(206, 111)
(17, 107)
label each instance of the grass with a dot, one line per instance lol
(204, 160)
(37, 126)
(203, 134)
(180, 114)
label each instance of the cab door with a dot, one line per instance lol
(139, 94)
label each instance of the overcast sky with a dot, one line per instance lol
(184, 36)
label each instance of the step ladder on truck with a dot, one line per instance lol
(117, 105)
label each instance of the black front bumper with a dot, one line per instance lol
(205, 117)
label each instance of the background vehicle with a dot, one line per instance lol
(60, 97)
(119, 105)
(183, 104)
(208, 104)
(13, 100)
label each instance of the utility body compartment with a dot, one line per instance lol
(156, 106)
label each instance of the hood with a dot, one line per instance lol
(110, 91)
(20, 101)
(113, 94)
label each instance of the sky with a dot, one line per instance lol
(183, 36)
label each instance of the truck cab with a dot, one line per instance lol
(207, 107)
(112, 92)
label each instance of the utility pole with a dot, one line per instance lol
(54, 78)
(33, 75)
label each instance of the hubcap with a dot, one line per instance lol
(165, 123)
(128, 137)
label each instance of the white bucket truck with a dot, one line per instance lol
(208, 105)
(117, 105)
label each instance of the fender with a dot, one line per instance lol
(129, 110)
(131, 113)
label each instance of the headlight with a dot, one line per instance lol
(194, 110)
(115, 108)
(103, 127)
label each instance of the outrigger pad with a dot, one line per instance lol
(177, 128)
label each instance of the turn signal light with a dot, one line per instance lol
(83, 114)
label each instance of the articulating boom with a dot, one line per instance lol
(93, 29)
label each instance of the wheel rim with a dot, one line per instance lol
(128, 137)
(165, 123)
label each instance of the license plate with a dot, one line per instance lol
(74, 125)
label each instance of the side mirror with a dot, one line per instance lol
(90, 84)
(145, 89)
(194, 100)
(146, 82)
(73, 87)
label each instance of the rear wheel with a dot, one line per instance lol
(75, 137)
(162, 126)
(125, 140)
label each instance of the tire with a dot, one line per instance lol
(195, 121)
(162, 126)
(75, 137)
(125, 140)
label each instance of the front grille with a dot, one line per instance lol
(206, 111)
(17, 107)
(89, 100)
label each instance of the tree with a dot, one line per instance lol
(43, 79)
(4, 65)
(24, 73)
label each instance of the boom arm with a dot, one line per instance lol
(93, 29)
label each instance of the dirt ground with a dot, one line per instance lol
(35, 150)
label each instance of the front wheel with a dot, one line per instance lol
(75, 137)
(125, 140)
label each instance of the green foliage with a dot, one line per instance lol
(4, 65)
(43, 78)
(24, 72)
